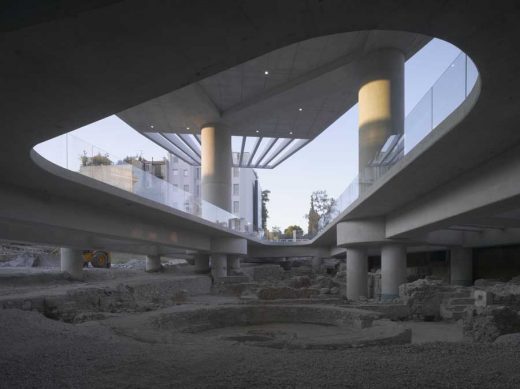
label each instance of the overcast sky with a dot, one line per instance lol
(329, 162)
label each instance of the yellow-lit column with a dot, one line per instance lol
(381, 105)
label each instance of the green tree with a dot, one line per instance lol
(288, 232)
(321, 211)
(97, 160)
(314, 219)
(265, 212)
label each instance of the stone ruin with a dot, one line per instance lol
(487, 310)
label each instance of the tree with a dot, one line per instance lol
(265, 212)
(320, 212)
(288, 232)
(314, 219)
(97, 160)
(129, 159)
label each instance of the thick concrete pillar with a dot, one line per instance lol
(393, 270)
(461, 266)
(202, 263)
(216, 166)
(381, 105)
(153, 263)
(71, 261)
(233, 264)
(218, 265)
(357, 273)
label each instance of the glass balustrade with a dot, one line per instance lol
(128, 173)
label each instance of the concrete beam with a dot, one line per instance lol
(485, 190)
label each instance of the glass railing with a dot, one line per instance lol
(133, 175)
(448, 93)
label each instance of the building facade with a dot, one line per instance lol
(246, 191)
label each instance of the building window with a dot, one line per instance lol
(175, 172)
(197, 190)
(236, 172)
(175, 159)
(235, 190)
(185, 172)
(236, 207)
(187, 206)
(198, 173)
(186, 188)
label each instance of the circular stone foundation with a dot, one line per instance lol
(277, 326)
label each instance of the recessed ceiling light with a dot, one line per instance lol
(257, 131)
(151, 126)
(266, 72)
(290, 133)
(187, 128)
(300, 109)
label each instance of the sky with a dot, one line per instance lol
(328, 163)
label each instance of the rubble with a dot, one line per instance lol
(424, 297)
(510, 339)
(491, 322)
(274, 293)
(299, 282)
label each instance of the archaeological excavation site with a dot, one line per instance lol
(259, 194)
(284, 322)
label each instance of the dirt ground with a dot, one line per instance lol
(36, 352)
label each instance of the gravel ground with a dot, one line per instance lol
(36, 352)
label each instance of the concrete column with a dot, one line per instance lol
(393, 270)
(381, 105)
(153, 263)
(71, 261)
(202, 263)
(357, 273)
(461, 266)
(233, 264)
(216, 166)
(218, 265)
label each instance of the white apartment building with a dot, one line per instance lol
(246, 202)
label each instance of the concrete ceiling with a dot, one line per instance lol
(293, 92)
(62, 73)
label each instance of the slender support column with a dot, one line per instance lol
(216, 166)
(381, 106)
(233, 264)
(71, 261)
(461, 266)
(393, 270)
(153, 263)
(202, 263)
(357, 273)
(218, 265)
